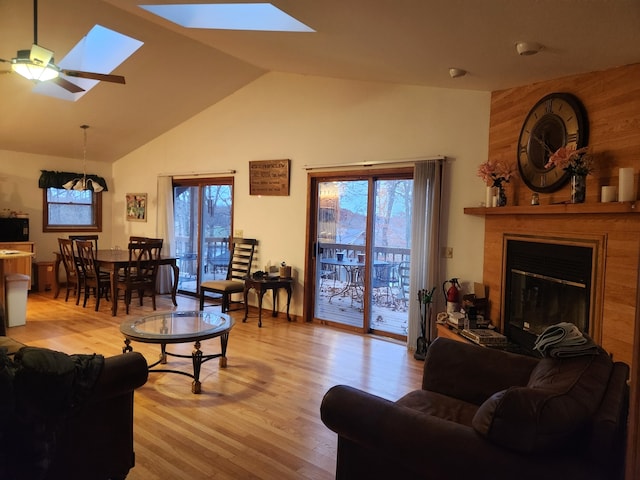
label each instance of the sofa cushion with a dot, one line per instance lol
(441, 406)
(561, 397)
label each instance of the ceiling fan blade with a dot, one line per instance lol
(67, 85)
(103, 77)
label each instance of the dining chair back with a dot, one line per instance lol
(93, 279)
(238, 269)
(71, 268)
(136, 239)
(385, 279)
(141, 273)
(403, 275)
(92, 238)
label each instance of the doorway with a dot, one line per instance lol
(203, 222)
(360, 239)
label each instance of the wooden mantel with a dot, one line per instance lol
(558, 209)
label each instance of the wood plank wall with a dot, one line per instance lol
(612, 101)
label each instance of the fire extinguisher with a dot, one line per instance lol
(451, 295)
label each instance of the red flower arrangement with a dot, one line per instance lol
(574, 160)
(495, 173)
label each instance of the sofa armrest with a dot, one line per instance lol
(377, 436)
(120, 374)
(473, 373)
(419, 442)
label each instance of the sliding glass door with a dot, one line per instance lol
(361, 250)
(203, 213)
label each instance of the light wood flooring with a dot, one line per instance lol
(257, 419)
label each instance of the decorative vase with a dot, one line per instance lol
(502, 196)
(578, 188)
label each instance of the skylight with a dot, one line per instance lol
(230, 16)
(100, 51)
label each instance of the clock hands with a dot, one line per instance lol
(543, 143)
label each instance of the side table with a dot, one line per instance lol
(261, 285)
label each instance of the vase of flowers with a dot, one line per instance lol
(496, 174)
(578, 163)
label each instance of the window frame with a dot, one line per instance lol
(96, 203)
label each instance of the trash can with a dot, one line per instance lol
(16, 287)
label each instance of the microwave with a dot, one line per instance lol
(14, 229)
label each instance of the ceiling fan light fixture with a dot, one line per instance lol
(33, 70)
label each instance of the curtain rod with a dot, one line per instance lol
(196, 174)
(380, 162)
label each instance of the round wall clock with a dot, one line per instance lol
(557, 120)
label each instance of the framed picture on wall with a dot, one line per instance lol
(136, 207)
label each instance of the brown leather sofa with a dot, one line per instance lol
(66, 416)
(487, 414)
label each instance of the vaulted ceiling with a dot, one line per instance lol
(179, 72)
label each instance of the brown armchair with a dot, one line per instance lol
(488, 415)
(67, 416)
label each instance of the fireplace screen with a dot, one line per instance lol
(538, 301)
(545, 285)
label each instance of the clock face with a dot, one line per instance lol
(557, 120)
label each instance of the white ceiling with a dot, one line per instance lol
(397, 41)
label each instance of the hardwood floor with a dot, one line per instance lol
(257, 419)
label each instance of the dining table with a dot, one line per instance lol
(112, 261)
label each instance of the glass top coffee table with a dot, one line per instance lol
(180, 327)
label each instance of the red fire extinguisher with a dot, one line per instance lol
(451, 295)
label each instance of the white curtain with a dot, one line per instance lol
(165, 231)
(425, 242)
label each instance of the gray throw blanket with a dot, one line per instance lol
(563, 340)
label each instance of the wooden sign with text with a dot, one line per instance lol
(269, 177)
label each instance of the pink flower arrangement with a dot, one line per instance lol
(574, 160)
(495, 173)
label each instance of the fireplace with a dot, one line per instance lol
(546, 281)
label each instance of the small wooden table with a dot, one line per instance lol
(261, 285)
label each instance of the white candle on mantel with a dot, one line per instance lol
(608, 194)
(625, 185)
(489, 198)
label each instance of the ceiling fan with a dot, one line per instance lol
(37, 64)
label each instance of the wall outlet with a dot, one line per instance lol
(447, 252)
(238, 233)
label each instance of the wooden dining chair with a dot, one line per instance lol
(239, 268)
(93, 279)
(141, 273)
(71, 268)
